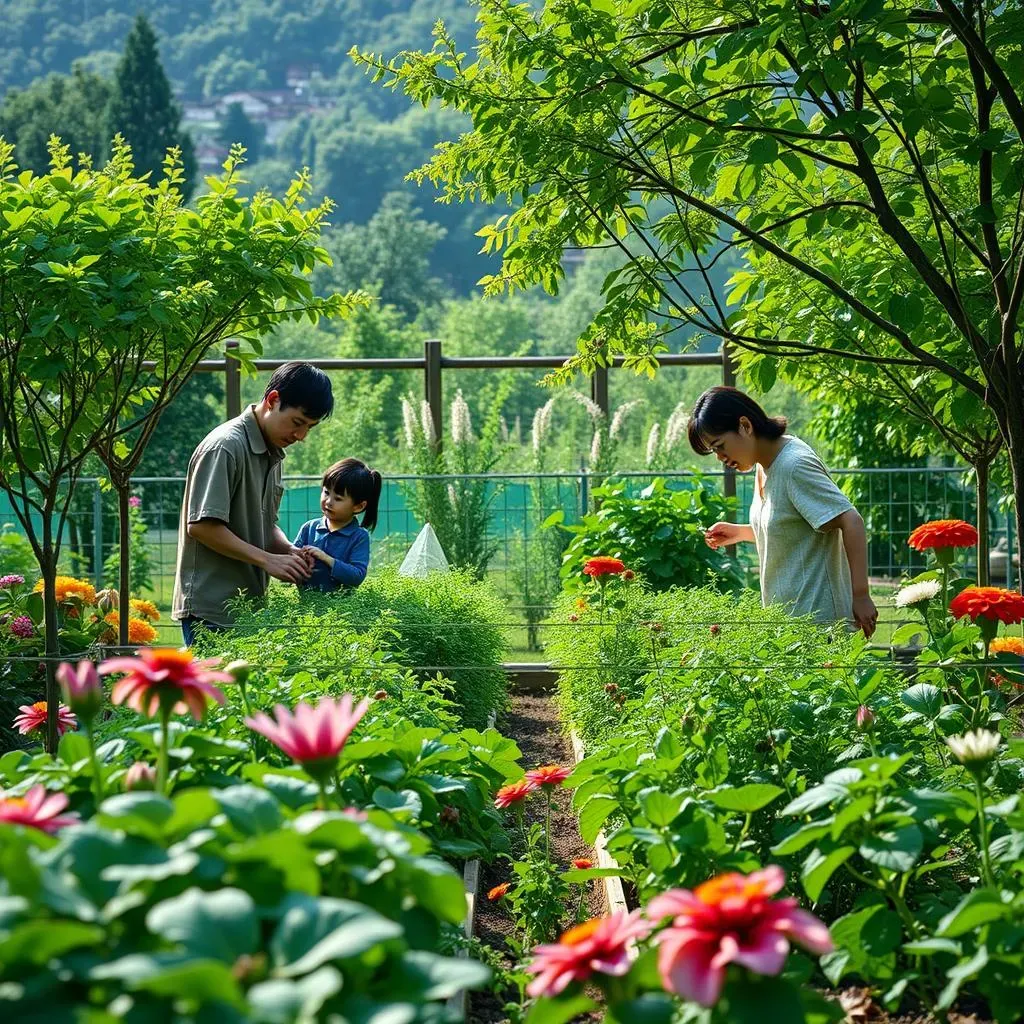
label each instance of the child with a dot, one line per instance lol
(339, 544)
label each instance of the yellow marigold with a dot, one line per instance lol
(139, 631)
(1007, 645)
(68, 586)
(146, 609)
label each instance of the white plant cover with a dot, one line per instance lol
(425, 555)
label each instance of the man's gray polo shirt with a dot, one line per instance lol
(233, 476)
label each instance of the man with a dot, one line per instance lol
(228, 537)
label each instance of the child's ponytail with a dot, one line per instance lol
(370, 512)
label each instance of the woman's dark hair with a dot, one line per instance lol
(718, 411)
(301, 386)
(360, 483)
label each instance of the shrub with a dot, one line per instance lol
(658, 533)
(16, 555)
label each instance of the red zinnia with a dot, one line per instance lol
(513, 793)
(498, 891)
(162, 675)
(603, 565)
(992, 603)
(549, 775)
(583, 863)
(943, 533)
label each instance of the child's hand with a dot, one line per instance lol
(317, 553)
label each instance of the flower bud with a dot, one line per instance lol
(628, 574)
(865, 718)
(140, 776)
(81, 687)
(574, 618)
(687, 724)
(715, 629)
(449, 815)
(239, 670)
(974, 750)
(108, 601)
(610, 687)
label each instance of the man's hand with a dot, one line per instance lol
(865, 614)
(292, 567)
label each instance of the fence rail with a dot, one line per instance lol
(892, 502)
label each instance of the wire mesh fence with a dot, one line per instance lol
(892, 502)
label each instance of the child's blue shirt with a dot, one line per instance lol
(349, 547)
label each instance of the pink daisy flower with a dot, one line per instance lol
(33, 717)
(37, 809)
(163, 675)
(729, 919)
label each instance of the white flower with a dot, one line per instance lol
(595, 411)
(504, 428)
(595, 448)
(974, 749)
(652, 443)
(453, 497)
(427, 422)
(541, 423)
(409, 422)
(675, 428)
(915, 593)
(517, 430)
(462, 425)
(619, 419)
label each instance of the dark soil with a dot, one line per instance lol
(861, 1008)
(532, 721)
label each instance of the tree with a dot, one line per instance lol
(142, 108)
(69, 106)
(237, 127)
(864, 157)
(110, 292)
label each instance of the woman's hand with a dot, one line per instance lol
(865, 614)
(723, 533)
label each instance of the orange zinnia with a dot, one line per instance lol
(1007, 645)
(582, 863)
(549, 775)
(513, 793)
(146, 609)
(993, 603)
(139, 630)
(603, 565)
(498, 891)
(67, 586)
(943, 533)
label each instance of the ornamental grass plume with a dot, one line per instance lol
(915, 593)
(993, 603)
(312, 736)
(943, 533)
(729, 919)
(33, 718)
(161, 678)
(603, 565)
(37, 809)
(602, 945)
(513, 793)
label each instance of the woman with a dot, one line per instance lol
(810, 540)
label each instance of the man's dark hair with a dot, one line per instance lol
(718, 411)
(301, 386)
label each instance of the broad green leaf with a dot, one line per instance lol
(219, 925)
(746, 799)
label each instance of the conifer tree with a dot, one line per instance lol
(237, 126)
(142, 107)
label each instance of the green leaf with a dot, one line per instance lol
(219, 925)
(174, 975)
(660, 808)
(561, 1010)
(747, 799)
(819, 867)
(594, 814)
(406, 803)
(896, 849)
(253, 811)
(437, 977)
(315, 931)
(923, 698)
(283, 1001)
(143, 814)
(752, 1000)
(815, 798)
(975, 909)
(38, 941)
(906, 311)
(651, 1008)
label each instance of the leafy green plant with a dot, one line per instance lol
(16, 555)
(140, 559)
(658, 533)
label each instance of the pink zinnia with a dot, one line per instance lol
(33, 716)
(312, 736)
(11, 580)
(37, 809)
(165, 676)
(135, 501)
(139, 776)
(601, 945)
(81, 687)
(549, 775)
(865, 718)
(22, 626)
(729, 919)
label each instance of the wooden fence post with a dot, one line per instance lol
(232, 382)
(432, 383)
(599, 388)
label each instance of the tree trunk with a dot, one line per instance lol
(51, 638)
(1016, 452)
(124, 582)
(981, 469)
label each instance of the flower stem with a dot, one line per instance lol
(986, 861)
(97, 778)
(322, 802)
(547, 828)
(163, 757)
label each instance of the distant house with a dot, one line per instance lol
(255, 104)
(298, 76)
(198, 112)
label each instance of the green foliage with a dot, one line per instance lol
(142, 109)
(658, 533)
(236, 127)
(140, 560)
(16, 555)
